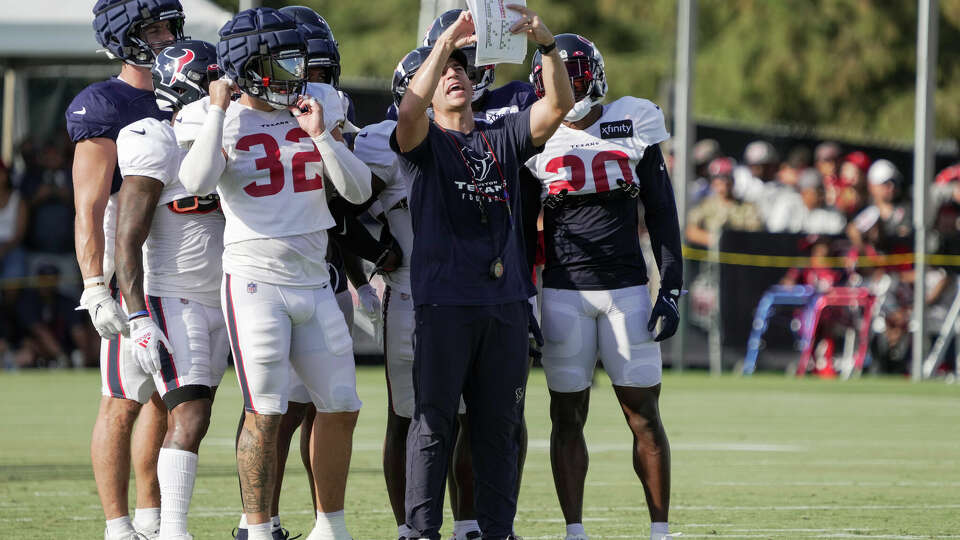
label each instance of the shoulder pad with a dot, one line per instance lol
(190, 119)
(648, 124)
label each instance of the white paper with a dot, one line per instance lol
(495, 43)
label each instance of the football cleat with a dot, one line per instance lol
(577, 537)
(264, 53)
(283, 534)
(118, 25)
(129, 536)
(151, 534)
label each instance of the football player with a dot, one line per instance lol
(372, 145)
(168, 246)
(269, 156)
(595, 170)
(132, 31)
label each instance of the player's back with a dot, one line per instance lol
(182, 253)
(591, 239)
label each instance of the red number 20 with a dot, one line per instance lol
(271, 161)
(578, 171)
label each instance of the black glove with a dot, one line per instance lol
(390, 259)
(665, 307)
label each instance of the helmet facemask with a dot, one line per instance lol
(481, 77)
(146, 51)
(278, 79)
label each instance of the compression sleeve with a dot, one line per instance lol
(204, 163)
(656, 192)
(352, 235)
(349, 175)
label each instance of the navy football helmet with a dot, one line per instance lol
(264, 53)
(481, 77)
(584, 66)
(182, 73)
(405, 71)
(322, 48)
(117, 25)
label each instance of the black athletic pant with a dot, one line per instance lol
(480, 351)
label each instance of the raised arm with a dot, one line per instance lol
(203, 165)
(412, 120)
(547, 113)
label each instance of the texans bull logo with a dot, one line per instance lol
(480, 164)
(173, 65)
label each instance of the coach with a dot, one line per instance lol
(469, 274)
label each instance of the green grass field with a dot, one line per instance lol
(765, 457)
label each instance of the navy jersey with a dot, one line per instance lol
(515, 96)
(591, 237)
(104, 108)
(460, 187)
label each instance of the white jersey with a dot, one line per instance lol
(592, 160)
(372, 146)
(181, 256)
(272, 191)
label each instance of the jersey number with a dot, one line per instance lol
(578, 171)
(271, 162)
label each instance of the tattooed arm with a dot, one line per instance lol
(138, 201)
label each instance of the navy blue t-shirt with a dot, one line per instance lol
(451, 175)
(104, 108)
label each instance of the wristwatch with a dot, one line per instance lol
(545, 49)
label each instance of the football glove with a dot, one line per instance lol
(105, 312)
(147, 339)
(370, 305)
(391, 258)
(665, 307)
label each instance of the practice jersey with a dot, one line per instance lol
(592, 236)
(104, 108)
(271, 191)
(372, 146)
(181, 256)
(515, 96)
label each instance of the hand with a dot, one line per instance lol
(221, 90)
(147, 338)
(665, 307)
(309, 114)
(461, 33)
(105, 312)
(391, 259)
(532, 24)
(369, 301)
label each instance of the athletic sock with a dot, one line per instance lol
(403, 530)
(176, 472)
(330, 526)
(243, 522)
(659, 529)
(574, 529)
(461, 528)
(117, 528)
(146, 519)
(260, 531)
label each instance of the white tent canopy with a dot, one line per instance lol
(63, 29)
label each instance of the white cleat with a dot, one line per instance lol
(129, 536)
(668, 536)
(151, 533)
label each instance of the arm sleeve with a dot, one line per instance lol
(661, 217)
(348, 174)
(204, 163)
(144, 149)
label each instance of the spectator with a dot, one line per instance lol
(13, 226)
(943, 185)
(890, 348)
(49, 190)
(704, 152)
(757, 183)
(947, 222)
(798, 160)
(814, 216)
(55, 334)
(826, 159)
(850, 188)
(894, 219)
(720, 209)
(820, 274)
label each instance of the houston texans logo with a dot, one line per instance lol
(480, 164)
(172, 65)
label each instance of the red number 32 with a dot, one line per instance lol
(578, 171)
(271, 161)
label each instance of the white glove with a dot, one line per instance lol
(147, 338)
(370, 305)
(369, 301)
(105, 312)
